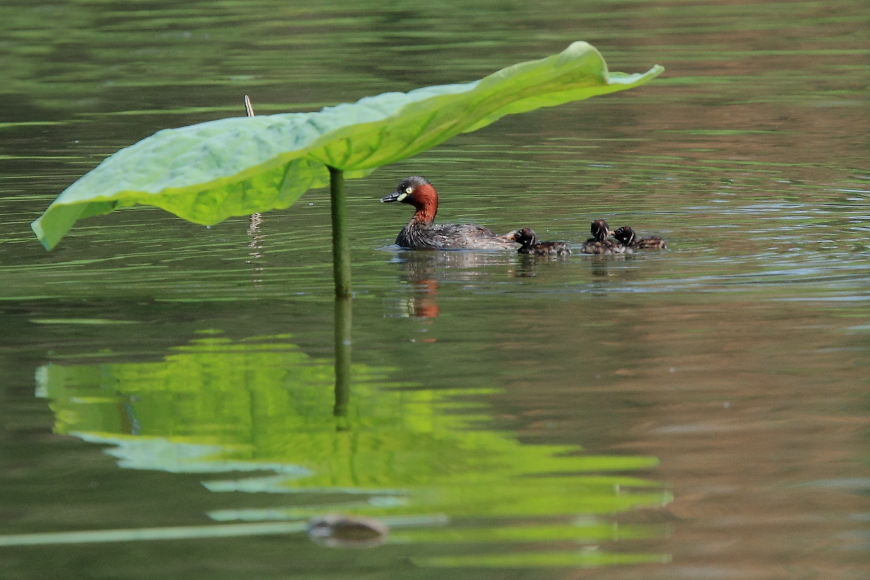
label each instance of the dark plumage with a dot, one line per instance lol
(629, 239)
(346, 531)
(531, 245)
(422, 233)
(598, 243)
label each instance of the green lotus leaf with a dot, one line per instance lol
(208, 172)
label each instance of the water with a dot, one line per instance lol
(694, 413)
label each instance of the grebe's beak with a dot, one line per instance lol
(395, 196)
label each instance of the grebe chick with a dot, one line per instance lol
(629, 239)
(531, 245)
(422, 233)
(598, 243)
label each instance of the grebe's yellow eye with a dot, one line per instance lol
(408, 190)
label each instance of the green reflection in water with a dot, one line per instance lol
(262, 405)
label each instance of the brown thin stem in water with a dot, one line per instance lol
(256, 219)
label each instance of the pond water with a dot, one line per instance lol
(699, 412)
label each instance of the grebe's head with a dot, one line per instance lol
(625, 235)
(412, 190)
(417, 191)
(600, 230)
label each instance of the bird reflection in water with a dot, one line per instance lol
(423, 303)
(425, 270)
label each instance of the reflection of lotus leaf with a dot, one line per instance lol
(220, 406)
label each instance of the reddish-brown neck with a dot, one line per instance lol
(425, 201)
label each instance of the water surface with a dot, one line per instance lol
(694, 413)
